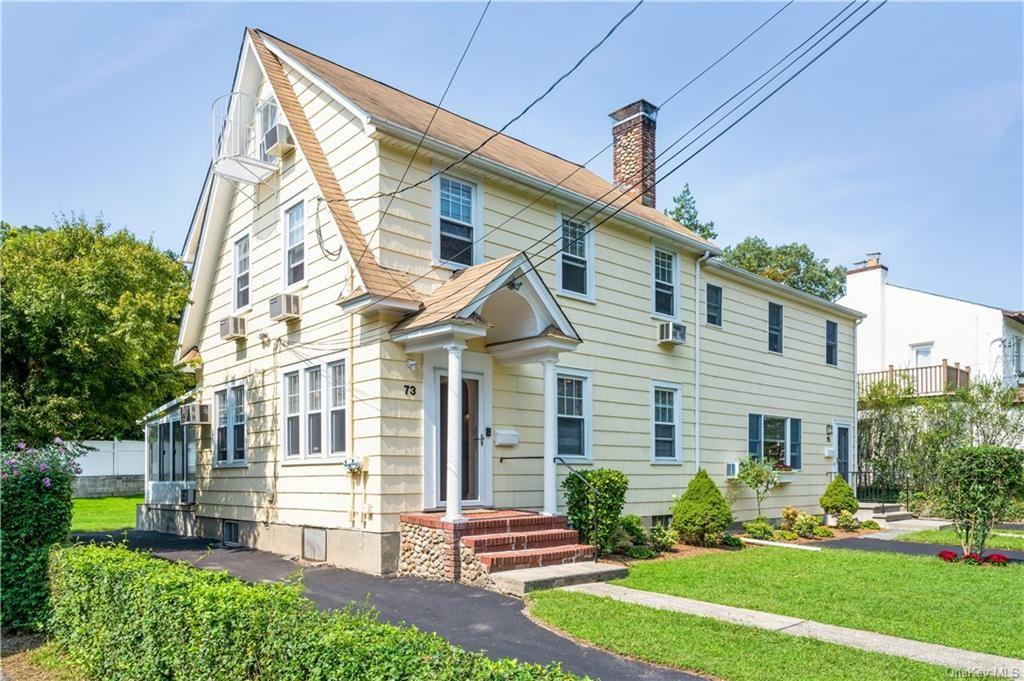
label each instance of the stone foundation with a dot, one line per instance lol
(437, 553)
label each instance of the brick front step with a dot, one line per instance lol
(498, 561)
(517, 541)
(513, 524)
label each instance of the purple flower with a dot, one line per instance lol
(31, 450)
(3, 476)
(46, 482)
(43, 468)
(21, 446)
(16, 473)
(78, 470)
(57, 441)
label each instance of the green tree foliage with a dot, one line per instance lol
(684, 211)
(611, 488)
(89, 328)
(978, 485)
(889, 430)
(791, 264)
(984, 413)
(838, 497)
(758, 476)
(701, 514)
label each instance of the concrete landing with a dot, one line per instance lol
(521, 582)
(895, 528)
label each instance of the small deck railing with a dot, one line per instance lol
(927, 381)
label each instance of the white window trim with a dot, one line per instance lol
(588, 411)
(282, 218)
(914, 347)
(325, 456)
(803, 440)
(588, 243)
(782, 330)
(244, 234)
(677, 421)
(435, 219)
(229, 406)
(676, 274)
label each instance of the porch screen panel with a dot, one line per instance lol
(177, 451)
(153, 437)
(165, 451)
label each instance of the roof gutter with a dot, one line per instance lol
(403, 133)
(764, 282)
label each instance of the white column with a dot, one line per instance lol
(550, 437)
(453, 502)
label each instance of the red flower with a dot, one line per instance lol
(948, 556)
(997, 559)
(973, 558)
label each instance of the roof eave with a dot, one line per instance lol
(767, 283)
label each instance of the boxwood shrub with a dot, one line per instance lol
(838, 497)
(118, 614)
(701, 514)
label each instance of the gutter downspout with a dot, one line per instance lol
(696, 361)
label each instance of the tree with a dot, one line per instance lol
(89, 329)
(685, 213)
(889, 431)
(759, 477)
(984, 413)
(978, 484)
(791, 264)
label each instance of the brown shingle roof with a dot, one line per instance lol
(376, 279)
(394, 106)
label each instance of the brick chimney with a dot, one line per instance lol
(633, 129)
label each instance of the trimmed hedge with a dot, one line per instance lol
(118, 614)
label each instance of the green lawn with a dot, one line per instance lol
(917, 597)
(948, 538)
(104, 513)
(726, 651)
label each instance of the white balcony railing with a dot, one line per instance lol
(237, 153)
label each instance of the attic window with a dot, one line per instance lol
(267, 118)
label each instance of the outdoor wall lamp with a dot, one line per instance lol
(828, 433)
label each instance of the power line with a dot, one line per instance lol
(426, 130)
(550, 189)
(515, 118)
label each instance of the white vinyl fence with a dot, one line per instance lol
(112, 467)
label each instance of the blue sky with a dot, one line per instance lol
(907, 138)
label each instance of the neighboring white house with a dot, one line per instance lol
(935, 340)
(330, 328)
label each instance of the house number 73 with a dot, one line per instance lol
(410, 390)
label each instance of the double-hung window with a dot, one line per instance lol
(664, 283)
(242, 273)
(229, 437)
(665, 422)
(574, 258)
(1018, 355)
(268, 119)
(774, 327)
(775, 440)
(573, 398)
(314, 409)
(295, 244)
(832, 343)
(713, 312)
(456, 229)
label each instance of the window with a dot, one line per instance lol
(714, 305)
(665, 422)
(776, 440)
(774, 327)
(314, 409)
(832, 343)
(336, 373)
(573, 414)
(229, 439)
(242, 273)
(456, 228)
(295, 244)
(1018, 354)
(922, 354)
(664, 283)
(574, 268)
(267, 120)
(171, 450)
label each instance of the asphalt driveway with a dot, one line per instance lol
(470, 618)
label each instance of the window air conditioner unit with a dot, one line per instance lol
(277, 141)
(188, 496)
(285, 306)
(232, 328)
(194, 414)
(671, 333)
(732, 470)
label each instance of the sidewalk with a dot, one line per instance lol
(945, 656)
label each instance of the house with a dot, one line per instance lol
(936, 342)
(336, 314)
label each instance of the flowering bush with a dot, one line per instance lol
(35, 513)
(973, 558)
(948, 556)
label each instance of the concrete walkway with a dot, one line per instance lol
(945, 656)
(468, 617)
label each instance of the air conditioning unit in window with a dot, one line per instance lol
(671, 333)
(732, 470)
(194, 414)
(232, 328)
(277, 141)
(188, 496)
(285, 306)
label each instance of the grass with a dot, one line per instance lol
(707, 646)
(104, 513)
(948, 537)
(918, 597)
